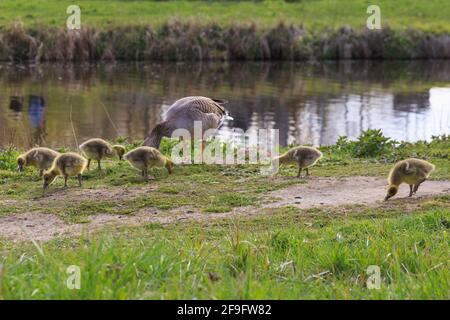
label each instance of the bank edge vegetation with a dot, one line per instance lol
(184, 41)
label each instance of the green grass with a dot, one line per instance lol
(315, 14)
(217, 189)
(287, 255)
(283, 253)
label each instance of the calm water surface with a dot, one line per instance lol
(60, 105)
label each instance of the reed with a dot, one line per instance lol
(193, 41)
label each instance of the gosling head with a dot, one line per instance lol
(49, 177)
(21, 162)
(169, 165)
(119, 150)
(391, 191)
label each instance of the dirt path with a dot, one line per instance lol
(316, 192)
(351, 190)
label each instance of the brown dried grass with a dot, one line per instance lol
(181, 41)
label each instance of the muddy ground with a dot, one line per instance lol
(316, 192)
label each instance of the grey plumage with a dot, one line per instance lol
(183, 113)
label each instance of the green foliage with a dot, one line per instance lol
(122, 140)
(370, 144)
(8, 158)
(167, 146)
(226, 201)
(398, 14)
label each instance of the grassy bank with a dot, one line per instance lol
(287, 252)
(284, 256)
(217, 189)
(313, 14)
(200, 30)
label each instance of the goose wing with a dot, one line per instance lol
(193, 105)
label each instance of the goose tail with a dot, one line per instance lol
(219, 101)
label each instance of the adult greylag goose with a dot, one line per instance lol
(183, 113)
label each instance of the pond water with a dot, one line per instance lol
(62, 105)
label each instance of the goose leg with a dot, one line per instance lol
(299, 171)
(203, 148)
(99, 165)
(186, 149)
(410, 190)
(203, 145)
(196, 157)
(145, 173)
(65, 180)
(416, 187)
(89, 163)
(307, 171)
(41, 172)
(150, 177)
(79, 180)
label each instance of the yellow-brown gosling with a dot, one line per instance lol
(143, 158)
(67, 165)
(119, 150)
(411, 171)
(303, 156)
(97, 149)
(41, 158)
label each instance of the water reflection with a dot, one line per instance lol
(309, 103)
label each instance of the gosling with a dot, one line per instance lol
(411, 171)
(142, 158)
(40, 158)
(303, 156)
(97, 149)
(67, 165)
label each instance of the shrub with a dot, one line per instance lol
(8, 158)
(370, 144)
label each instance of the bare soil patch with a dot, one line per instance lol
(344, 191)
(316, 192)
(78, 195)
